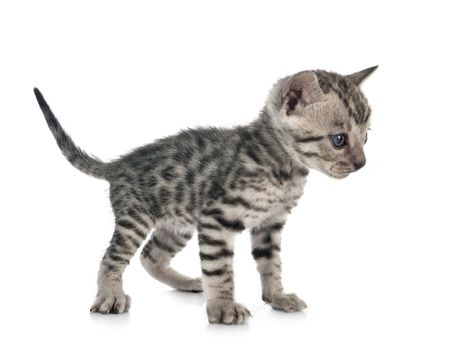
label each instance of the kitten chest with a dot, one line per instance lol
(270, 200)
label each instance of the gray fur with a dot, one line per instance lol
(358, 77)
(220, 182)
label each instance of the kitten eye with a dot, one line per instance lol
(339, 141)
(366, 138)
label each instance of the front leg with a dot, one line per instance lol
(265, 241)
(216, 255)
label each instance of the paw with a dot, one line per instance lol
(194, 285)
(111, 302)
(227, 312)
(287, 302)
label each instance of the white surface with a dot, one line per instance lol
(376, 256)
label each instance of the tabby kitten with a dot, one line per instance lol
(221, 182)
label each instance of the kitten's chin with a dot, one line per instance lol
(340, 171)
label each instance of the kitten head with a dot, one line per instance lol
(327, 116)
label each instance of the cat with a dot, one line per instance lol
(222, 181)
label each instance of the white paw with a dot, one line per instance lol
(113, 302)
(227, 312)
(287, 303)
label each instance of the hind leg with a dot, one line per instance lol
(130, 231)
(156, 255)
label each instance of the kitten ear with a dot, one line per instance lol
(358, 77)
(301, 90)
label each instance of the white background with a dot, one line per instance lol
(375, 256)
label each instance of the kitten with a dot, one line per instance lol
(221, 182)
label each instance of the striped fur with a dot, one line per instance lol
(78, 158)
(220, 182)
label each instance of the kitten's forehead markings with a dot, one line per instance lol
(339, 124)
(347, 92)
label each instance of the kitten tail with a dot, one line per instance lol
(77, 157)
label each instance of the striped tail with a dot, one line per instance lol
(77, 157)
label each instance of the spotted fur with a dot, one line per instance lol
(220, 182)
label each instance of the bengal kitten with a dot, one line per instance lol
(222, 181)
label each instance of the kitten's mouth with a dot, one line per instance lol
(340, 171)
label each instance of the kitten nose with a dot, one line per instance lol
(359, 164)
